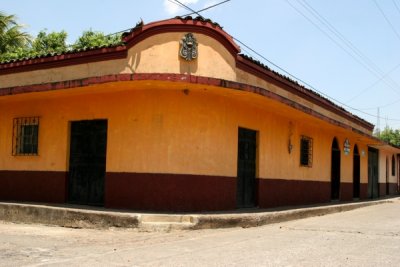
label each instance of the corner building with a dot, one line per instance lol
(176, 119)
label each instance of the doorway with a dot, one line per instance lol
(356, 173)
(373, 185)
(246, 168)
(335, 170)
(387, 175)
(398, 173)
(87, 162)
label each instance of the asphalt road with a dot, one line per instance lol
(364, 237)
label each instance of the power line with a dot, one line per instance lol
(387, 20)
(206, 8)
(291, 75)
(375, 83)
(180, 4)
(350, 45)
(397, 7)
(333, 40)
(195, 12)
(366, 63)
(305, 83)
(185, 6)
(383, 106)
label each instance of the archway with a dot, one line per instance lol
(356, 173)
(335, 170)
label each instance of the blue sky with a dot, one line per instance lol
(346, 49)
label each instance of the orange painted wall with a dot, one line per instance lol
(159, 54)
(165, 130)
(383, 155)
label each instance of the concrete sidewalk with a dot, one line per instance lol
(89, 217)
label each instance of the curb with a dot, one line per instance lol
(66, 217)
(258, 219)
(99, 219)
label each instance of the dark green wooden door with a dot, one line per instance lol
(356, 173)
(87, 162)
(335, 170)
(246, 180)
(373, 185)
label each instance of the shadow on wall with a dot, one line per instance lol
(187, 67)
(133, 62)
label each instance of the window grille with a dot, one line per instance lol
(25, 136)
(306, 148)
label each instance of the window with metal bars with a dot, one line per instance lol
(25, 136)
(306, 150)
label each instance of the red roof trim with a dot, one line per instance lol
(271, 77)
(173, 78)
(182, 25)
(101, 54)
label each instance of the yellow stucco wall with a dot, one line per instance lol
(156, 54)
(79, 71)
(385, 154)
(247, 78)
(145, 132)
(159, 54)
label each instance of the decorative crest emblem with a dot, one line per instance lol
(188, 48)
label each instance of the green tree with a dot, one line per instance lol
(390, 136)
(15, 44)
(44, 43)
(17, 53)
(92, 38)
(12, 38)
(54, 42)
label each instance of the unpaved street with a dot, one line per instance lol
(365, 237)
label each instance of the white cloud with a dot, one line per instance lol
(173, 8)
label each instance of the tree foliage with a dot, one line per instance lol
(11, 35)
(390, 136)
(16, 44)
(92, 38)
(44, 43)
(49, 43)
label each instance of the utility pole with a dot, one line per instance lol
(378, 124)
(386, 122)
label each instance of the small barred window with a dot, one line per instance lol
(306, 148)
(25, 136)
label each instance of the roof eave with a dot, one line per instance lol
(65, 59)
(262, 72)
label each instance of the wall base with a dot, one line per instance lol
(277, 192)
(174, 192)
(35, 186)
(170, 192)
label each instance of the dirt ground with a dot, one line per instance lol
(364, 237)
